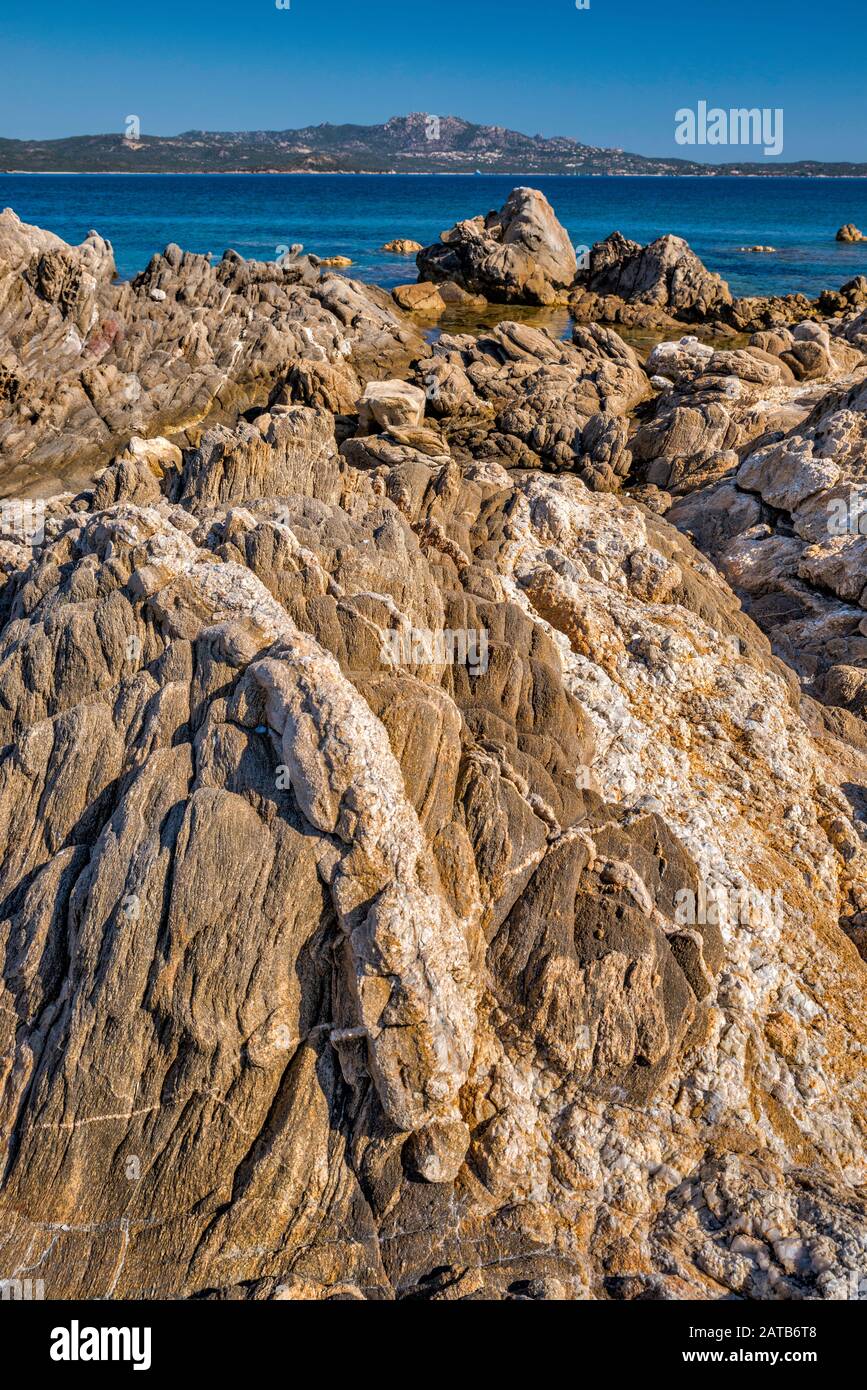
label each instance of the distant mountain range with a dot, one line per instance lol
(417, 143)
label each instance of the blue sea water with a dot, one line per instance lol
(353, 215)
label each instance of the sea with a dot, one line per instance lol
(260, 215)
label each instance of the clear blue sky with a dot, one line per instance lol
(610, 75)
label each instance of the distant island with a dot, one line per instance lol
(419, 143)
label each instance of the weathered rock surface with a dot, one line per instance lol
(715, 403)
(518, 395)
(794, 536)
(763, 451)
(422, 877)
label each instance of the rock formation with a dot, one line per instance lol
(87, 362)
(422, 298)
(516, 395)
(665, 275)
(432, 782)
(664, 284)
(850, 233)
(520, 254)
(403, 246)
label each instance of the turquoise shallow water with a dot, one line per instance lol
(354, 215)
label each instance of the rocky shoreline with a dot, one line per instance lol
(433, 776)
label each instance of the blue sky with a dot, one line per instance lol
(611, 75)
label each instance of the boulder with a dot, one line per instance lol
(422, 298)
(846, 686)
(403, 246)
(519, 255)
(385, 404)
(852, 295)
(457, 297)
